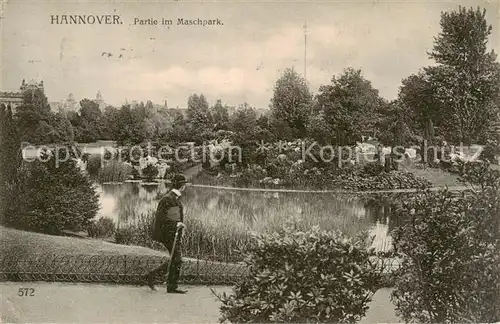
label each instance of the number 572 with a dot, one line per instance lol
(26, 292)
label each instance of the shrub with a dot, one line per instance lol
(150, 172)
(373, 169)
(49, 197)
(313, 276)
(490, 152)
(104, 227)
(126, 236)
(451, 256)
(94, 164)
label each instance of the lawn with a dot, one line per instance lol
(26, 256)
(24, 244)
(438, 177)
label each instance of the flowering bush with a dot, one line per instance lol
(282, 166)
(316, 276)
(150, 172)
(451, 256)
(373, 169)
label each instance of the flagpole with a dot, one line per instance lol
(305, 50)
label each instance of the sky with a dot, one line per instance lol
(237, 62)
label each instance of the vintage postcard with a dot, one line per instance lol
(249, 161)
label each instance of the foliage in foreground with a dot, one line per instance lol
(313, 276)
(48, 197)
(451, 253)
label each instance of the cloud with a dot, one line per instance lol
(238, 62)
(331, 36)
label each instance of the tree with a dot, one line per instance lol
(396, 126)
(263, 121)
(220, 116)
(244, 120)
(351, 107)
(110, 119)
(63, 130)
(292, 102)
(149, 109)
(450, 252)
(318, 129)
(89, 122)
(49, 196)
(467, 76)
(130, 129)
(33, 118)
(10, 154)
(198, 116)
(179, 130)
(416, 98)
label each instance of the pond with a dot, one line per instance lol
(232, 214)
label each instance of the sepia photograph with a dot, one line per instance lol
(240, 161)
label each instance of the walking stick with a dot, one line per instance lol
(177, 231)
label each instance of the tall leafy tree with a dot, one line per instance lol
(9, 154)
(34, 118)
(244, 120)
(220, 116)
(49, 197)
(63, 130)
(396, 126)
(149, 108)
(351, 107)
(130, 129)
(291, 104)
(180, 128)
(110, 119)
(198, 116)
(416, 100)
(89, 121)
(467, 77)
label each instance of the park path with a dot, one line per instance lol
(97, 303)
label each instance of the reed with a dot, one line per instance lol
(114, 171)
(219, 225)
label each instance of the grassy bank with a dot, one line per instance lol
(438, 177)
(27, 256)
(25, 244)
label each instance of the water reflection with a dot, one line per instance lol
(124, 202)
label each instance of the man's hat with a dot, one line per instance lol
(179, 179)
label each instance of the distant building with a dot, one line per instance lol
(11, 97)
(32, 85)
(15, 97)
(66, 105)
(99, 100)
(70, 103)
(262, 111)
(182, 111)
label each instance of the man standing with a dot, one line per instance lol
(169, 220)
